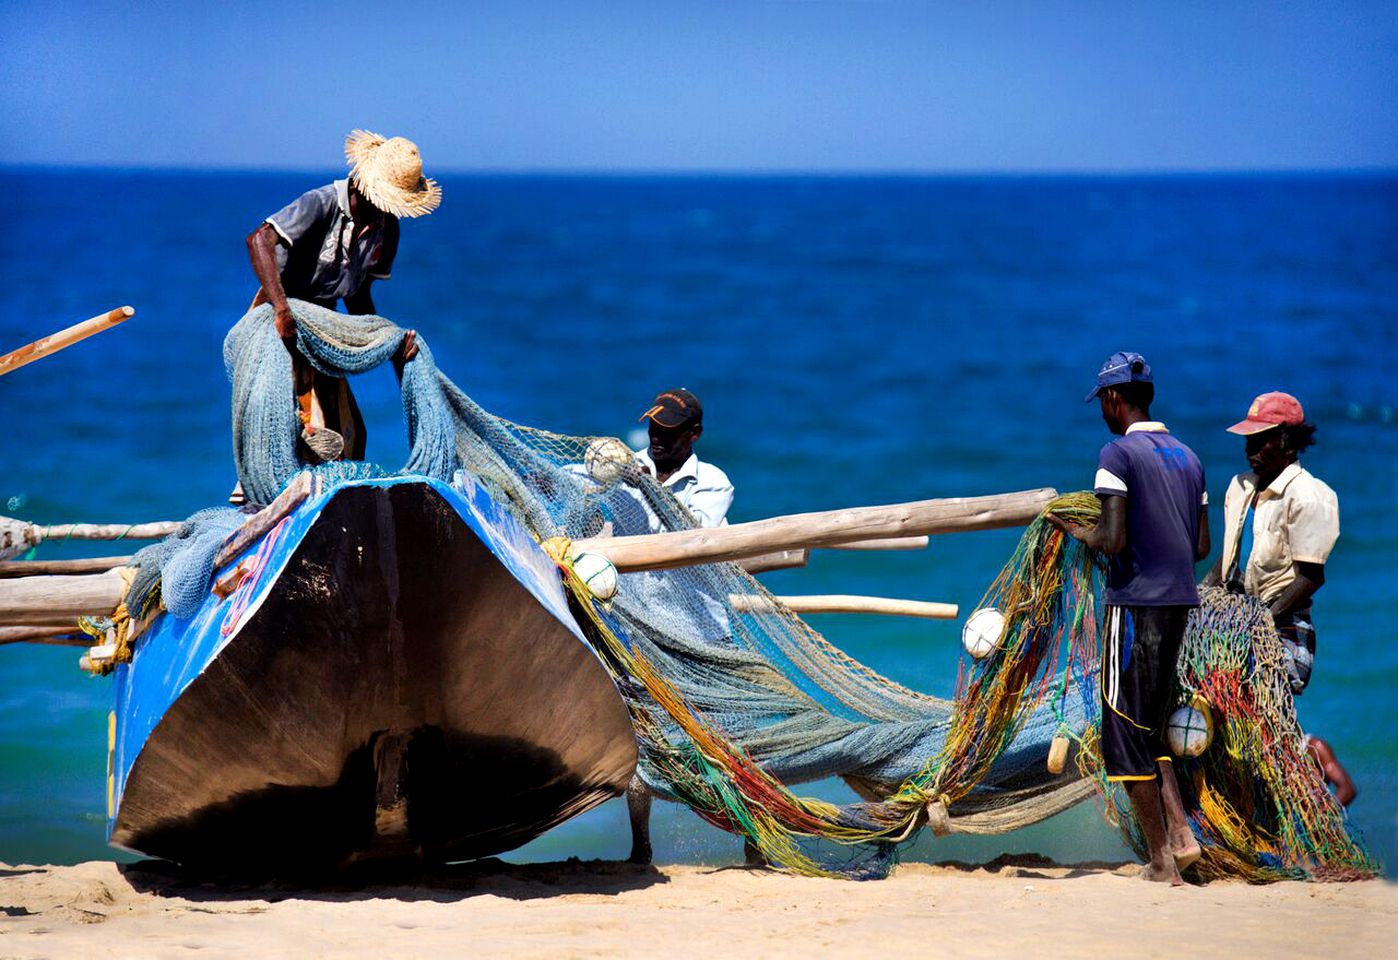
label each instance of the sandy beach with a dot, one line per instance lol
(1016, 906)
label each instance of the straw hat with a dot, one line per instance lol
(389, 173)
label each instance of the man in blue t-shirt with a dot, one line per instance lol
(1154, 526)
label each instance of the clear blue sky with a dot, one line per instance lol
(706, 85)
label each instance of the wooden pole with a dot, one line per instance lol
(55, 342)
(35, 568)
(156, 530)
(42, 601)
(846, 603)
(661, 551)
(887, 543)
(781, 560)
(69, 636)
(256, 526)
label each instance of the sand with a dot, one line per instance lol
(1019, 907)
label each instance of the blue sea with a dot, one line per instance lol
(854, 341)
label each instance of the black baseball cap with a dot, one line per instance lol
(674, 408)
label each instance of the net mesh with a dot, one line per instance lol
(731, 707)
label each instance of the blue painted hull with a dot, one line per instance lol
(402, 677)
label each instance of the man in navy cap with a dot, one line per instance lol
(675, 421)
(1154, 527)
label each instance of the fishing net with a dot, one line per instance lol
(732, 696)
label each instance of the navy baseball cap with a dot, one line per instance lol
(1121, 367)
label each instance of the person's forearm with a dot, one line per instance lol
(262, 252)
(1214, 578)
(1297, 596)
(362, 303)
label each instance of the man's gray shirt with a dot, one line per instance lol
(322, 261)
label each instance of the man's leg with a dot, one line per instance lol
(638, 801)
(1147, 806)
(1128, 747)
(1178, 834)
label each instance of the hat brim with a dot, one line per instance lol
(368, 179)
(1246, 428)
(655, 418)
(1092, 396)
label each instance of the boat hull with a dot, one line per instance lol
(400, 686)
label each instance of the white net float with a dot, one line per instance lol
(598, 573)
(1190, 730)
(981, 633)
(606, 459)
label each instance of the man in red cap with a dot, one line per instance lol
(1280, 524)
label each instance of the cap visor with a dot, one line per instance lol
(1246, 428)
(1092, 396)
(663, 419)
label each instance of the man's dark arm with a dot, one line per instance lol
(1109, 536)
(1204, 543)
(1214, 578)
(361, 302)
(262, 252)
(1297, 596)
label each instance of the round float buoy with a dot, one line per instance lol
(1058, 754)
(598, 573)
(981, 634)
(1190, 729)
(606, 459)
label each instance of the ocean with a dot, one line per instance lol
(854, 341)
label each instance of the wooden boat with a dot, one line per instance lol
(398, 674)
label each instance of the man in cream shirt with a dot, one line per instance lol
(1280, 524)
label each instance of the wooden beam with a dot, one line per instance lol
(886, 543)
(60, 636)
(846, 603)
(66, 337)
(34, 568)
(257, 526)
(660, 551)
(39, 601)
(781, 560)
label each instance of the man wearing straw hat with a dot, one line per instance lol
(330, 245)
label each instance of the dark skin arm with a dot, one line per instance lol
(1297, 596)
(1335, 775)
(1109, 536)
(1204, 544)
(262, 251)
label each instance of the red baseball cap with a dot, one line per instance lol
(1268, 411)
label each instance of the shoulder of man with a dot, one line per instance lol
(709, 475)
(313, 207)
(1310, 487)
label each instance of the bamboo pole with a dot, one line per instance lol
(17, 536)
(886, 543)
(845, 603)
(35, 568)
(660, 551)
(41, 601)
(55, 342)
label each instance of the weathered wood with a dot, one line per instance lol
(66, 337)
(156, 530)
(846, 603)
(886, 543)
(257, 525)
(36, 568)
(59, 636)
(781, 560)
(36, 601)
(660, 551)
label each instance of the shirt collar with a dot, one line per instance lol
(690, 468)
(1147, 426)
(1278, 486)
(342, 195)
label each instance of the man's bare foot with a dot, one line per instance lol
(1162, 874)
(1185, 855)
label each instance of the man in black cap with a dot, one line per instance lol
(676, 420)
(1154, 527)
